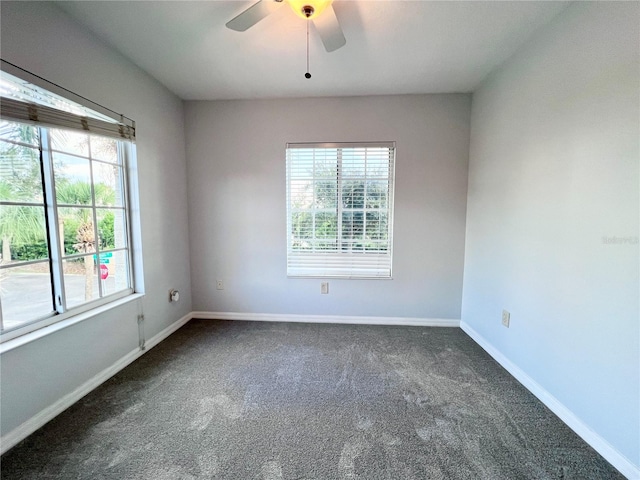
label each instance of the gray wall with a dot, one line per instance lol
(553, 171)
(236, 176)
(40, 38)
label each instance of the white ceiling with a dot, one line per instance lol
(393, 47)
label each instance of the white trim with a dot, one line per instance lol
(277, 317)
(38, 420)
(158, 337)
(604, 448)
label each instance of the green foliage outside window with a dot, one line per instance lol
(22, 228)
(364, 219)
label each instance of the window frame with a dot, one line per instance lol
(338, 263)
(100, 122)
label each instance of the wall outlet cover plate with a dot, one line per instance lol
(506, 318)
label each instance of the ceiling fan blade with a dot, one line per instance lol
(254, 14)
(329, 29)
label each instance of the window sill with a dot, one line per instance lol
(67, 322)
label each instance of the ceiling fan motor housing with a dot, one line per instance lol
(327, 27)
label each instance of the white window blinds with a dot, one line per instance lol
(340, 209)
(26, 102)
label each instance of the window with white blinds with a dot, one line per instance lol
(340, 209)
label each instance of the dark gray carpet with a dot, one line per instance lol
(247, 400)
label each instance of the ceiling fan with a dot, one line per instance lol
(320, 12)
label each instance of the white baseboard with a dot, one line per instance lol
(158, 337)
(276, 317)
(21, 432)
(604, 448)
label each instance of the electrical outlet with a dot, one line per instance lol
(219, 285)
(174, 295)
(324, 288)
(506, 318)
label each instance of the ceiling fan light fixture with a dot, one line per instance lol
(326, 25)
(309, 8)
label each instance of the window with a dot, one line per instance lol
(340, 210)
(64, 214)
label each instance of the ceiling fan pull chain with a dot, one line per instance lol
(307, 75)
